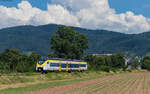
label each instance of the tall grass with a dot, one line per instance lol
(14, 79)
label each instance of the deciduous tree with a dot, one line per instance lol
(67, 43)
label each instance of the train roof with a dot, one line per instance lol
(45, 58)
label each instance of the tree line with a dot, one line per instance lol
(11, 60)
(106, 63)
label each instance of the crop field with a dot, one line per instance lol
(76, 83)
(128, 83)
(136, 83)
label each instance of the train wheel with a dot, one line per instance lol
(69, 71)
(40, 70)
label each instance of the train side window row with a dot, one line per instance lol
(65, 65)
(54, 64)
(83, 65)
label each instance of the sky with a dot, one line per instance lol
(125, 16)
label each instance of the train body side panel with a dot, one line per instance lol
(58, 65)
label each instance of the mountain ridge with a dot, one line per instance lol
(37, 38)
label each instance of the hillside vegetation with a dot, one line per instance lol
(37, 38)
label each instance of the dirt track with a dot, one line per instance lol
(134, 83)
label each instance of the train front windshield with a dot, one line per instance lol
(41, 62)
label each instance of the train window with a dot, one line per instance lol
(75, 65)
(41, 62)
(63, 65)
(70, 65)
(83, 65)
(54, 64)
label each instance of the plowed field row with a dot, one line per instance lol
(132, 83)
(125, 84)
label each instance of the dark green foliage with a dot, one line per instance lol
(94, 62)
(105, 62)
(31, 38)
(105, 68)
(146, 63)
(135, 63)
(117, 60)
(67, 43)
(10, 58)
(13, 61)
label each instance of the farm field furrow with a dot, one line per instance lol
(134, 83)
(93, 87)
(146, 86)
(140, 87)
(126, 83)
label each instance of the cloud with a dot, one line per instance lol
(25, 14)
(96, 14)
(91, 14)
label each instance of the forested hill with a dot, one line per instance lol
(37, 38)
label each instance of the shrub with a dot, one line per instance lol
(113, 69)
(146, 64)
(105, 68)
(129, 70)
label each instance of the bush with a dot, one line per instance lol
(146, 64)
(113, 69)
(129, 70)
(125, 68)
(105, 68)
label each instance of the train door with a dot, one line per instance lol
(60, 66)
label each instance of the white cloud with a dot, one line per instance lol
(26, 14)
(92, 14)
(96, 14)
(55, 14)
